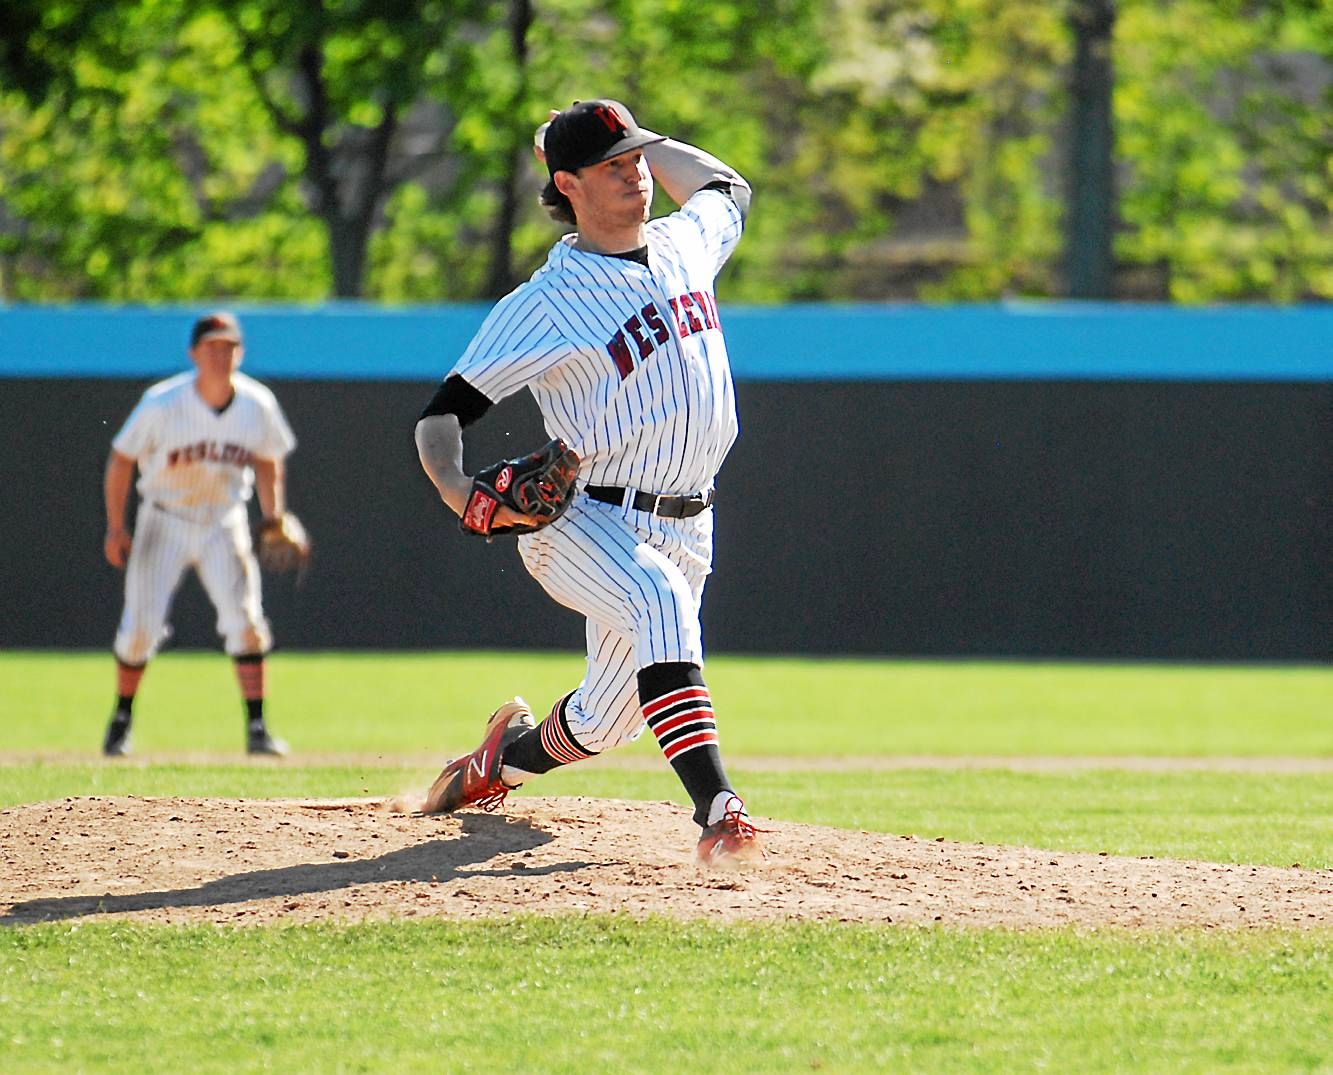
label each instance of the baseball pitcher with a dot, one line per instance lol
(618, 338)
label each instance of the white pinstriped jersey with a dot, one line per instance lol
(626, 362)
(195, 462)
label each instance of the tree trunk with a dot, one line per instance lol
(347, 253)
(500, 276)
(346, 204)
(1090, 211)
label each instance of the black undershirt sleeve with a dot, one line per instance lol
(455, 396)
(729, 189)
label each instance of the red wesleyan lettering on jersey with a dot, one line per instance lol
(691, 312)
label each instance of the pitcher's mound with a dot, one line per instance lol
(248, 861)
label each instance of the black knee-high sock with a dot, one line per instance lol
(548, 745)
(250, 675)
(679, 710)
(127, 687)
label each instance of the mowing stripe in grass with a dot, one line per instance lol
(580, 994)
(412, 702)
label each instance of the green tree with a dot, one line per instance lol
(340, 79)
(34, 39)
(123, 172)
(920, 140)
(1223, 111)
(952, 149)
(899, 148)
(236, 120)
(128, 175)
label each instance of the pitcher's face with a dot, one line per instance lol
(615, 192)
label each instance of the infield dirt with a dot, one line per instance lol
(256, 861)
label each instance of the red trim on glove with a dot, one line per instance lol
(480, 511)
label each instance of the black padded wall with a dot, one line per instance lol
(991, 519)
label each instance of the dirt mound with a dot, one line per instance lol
(249, 861)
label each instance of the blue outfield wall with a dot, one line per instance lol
(1021, 340)
(1039, 481)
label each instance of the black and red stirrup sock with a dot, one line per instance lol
(679, 710)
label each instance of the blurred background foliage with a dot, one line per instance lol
(159, 150)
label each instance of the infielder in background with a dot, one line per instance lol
(201, 441)
(617, 337)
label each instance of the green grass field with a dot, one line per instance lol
(395, 703)
(583, 993)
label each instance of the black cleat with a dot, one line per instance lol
(262, 743)
(117, 741)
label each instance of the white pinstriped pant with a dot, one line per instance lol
(639, 580)
(222, 555)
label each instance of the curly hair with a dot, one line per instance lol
(557, 205)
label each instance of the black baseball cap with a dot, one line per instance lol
(216, 326)
(589, 132)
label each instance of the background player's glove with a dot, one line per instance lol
(282, 544)
(540, 486)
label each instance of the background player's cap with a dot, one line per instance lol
(216, 326)
(589, 132)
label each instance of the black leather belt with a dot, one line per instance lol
(669, 507)
(168, 511)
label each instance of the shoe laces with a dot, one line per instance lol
(734, 821)
(493, 799)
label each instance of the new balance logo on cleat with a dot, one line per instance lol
(476, 766)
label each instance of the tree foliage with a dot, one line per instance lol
(266, 149)
(1224, 129)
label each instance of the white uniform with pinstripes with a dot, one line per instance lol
(195, 478)
(629, 368)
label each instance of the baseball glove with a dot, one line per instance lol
(282, 544)
(540, 485)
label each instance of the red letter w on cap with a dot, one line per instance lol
(610, 117)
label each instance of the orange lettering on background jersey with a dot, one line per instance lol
(212, 452)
